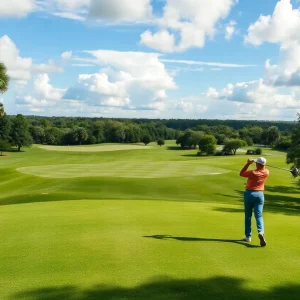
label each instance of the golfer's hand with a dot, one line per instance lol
(250, 161)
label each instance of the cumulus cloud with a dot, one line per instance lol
(162, 40)
(16, 8)
(116, 10)
(132, 80)
(282, 27)
(67, 55)
(230, 30)
(255, 92)
(45, 90)
(192, 20)
(20, 68)
(42, 97)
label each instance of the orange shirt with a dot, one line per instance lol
(256, 179)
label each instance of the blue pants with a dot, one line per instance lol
(253, 200)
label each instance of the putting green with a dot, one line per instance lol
(99, 148)
(124, 169)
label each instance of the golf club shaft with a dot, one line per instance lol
(279, 168)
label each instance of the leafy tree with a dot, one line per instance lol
(79, 135)
(293, 154)
(4, 81)
(231, 146)
(92, 140)
(255, 133)
(160, 142)
(20, 135)
(5, 127)
(207, 144)
(146, 140)
(270, 135)
(273, 135)
(220, 137)
(4, 146)
(189, 138)
(248, 140)
(53, 136)
(284, 143)
(38, 134)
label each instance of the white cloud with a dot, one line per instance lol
(287, 72)
(67, 55)
(230, 30)
(43, 98)
(162, 40)
(20, 68)
(133, 80)
(69, 9)
(50, 67)
(282, 27)
(116, 10)
(194, 21)
(16, 8)
(44, 90)
(203, 63)
(255, 92)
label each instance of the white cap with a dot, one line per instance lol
(261, 161)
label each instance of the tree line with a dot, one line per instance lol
(22, 131)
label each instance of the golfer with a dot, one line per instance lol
(254, 197)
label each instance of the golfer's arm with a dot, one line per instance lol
(243, 171)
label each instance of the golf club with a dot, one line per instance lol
(294, 171)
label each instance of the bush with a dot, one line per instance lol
(218, 153)
(258, 151)
(250, 151)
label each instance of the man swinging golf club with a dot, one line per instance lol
(254, 197)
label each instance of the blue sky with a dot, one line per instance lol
(223, 59)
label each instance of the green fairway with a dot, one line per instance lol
(155, 223)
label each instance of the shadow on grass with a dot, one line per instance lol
(174, 148)
(281, 202)
(225, 288)
(179, 148)
(195, 239)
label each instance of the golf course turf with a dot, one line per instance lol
(154, 223)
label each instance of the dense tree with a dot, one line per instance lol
(5, 127)
(160, 142)
(4, 81)
(232, 145)
(220, 137)
(207, 144)
(273, 135)
(20, 135)
(293, 154)
(38, 134)
(189, 139)
(54, 136)
(4, 146)
(284, 143)
(146, 139)
(78, 136)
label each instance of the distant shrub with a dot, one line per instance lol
(218, 153)
(250, 151)
(258, 151)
